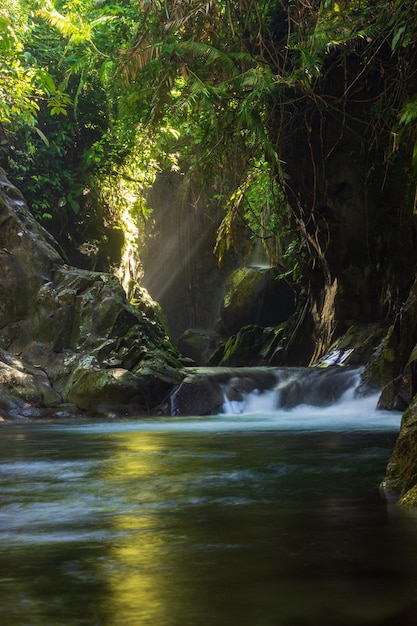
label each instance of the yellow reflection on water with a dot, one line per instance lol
(138, 569)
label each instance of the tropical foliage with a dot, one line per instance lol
(97, 97)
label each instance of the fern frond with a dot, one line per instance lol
(138, 58)
(70, 26)
(182, 14)
(209, 55)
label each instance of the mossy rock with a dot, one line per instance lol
(256, 296)
(401, 474)
(244, 348)
(409, 499)
(393, 366)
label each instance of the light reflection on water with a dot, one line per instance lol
(204, 521)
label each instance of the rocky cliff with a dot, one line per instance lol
(69, 339)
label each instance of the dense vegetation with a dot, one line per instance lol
(98, 97)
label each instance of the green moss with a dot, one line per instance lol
(409, 500)
(389, 355)
(401, 474)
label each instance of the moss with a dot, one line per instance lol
(389, 355)
(409, 499)
(244, 348)
(401, 473)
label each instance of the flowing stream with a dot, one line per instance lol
(254, 517)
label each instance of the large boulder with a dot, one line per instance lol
(69, 335)
(258, 296)
(97, 349)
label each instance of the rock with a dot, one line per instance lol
(248, 347)
(204, 389)
(26, 255)
(197, 396)
(318, 386)
(393, 366)
(256, 296)
(95, 344)
(69, 335)
(409, 499)
(197, 345)
(238, 387)
(23, 386)
(89, 386)
(401, 473)
(356, 346)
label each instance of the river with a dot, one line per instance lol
(262, 518)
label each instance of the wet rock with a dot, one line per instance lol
(238, 387)
(199, 396)
(356, 346)
(291, 394)
(203, 390)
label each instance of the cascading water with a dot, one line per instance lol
(293, 387)
(279, 393)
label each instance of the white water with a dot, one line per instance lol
(349, 413)
(258, 412)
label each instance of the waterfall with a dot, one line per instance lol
(294, 387)
(207, 391)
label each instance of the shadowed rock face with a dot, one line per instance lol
(256, 296)
(69, 335)
(26, 255)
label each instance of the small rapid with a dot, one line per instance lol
(208, 391)
(307, 399)
(293, 387)
(347, 414)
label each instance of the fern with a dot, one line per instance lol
(70, 26)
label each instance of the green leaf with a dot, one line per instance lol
(57, 110)
(42, 136)
(397, 35)
(75, 206)
(48, 82)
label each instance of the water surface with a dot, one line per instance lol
(270, 518)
